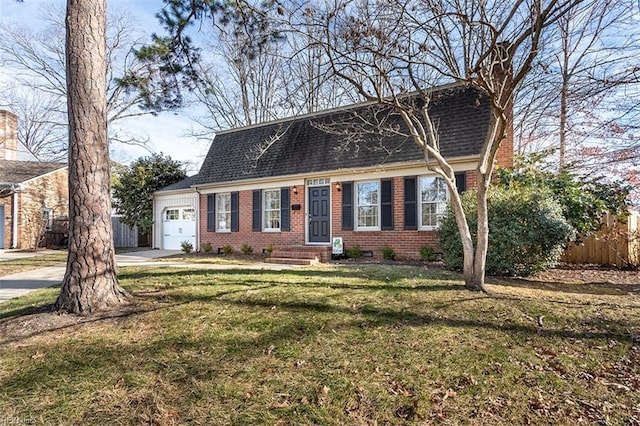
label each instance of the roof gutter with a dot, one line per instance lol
(7, 188)
(336, 172)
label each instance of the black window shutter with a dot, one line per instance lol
(285, 210)
(410, 203)
(257, 210)
(235, 218)
(461, 182)
(211, 212)
(386, 204)
(347, 206)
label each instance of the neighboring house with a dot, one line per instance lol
(32, 194)
(295, 184)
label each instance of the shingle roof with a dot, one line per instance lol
(305, 145)
(22, 171)
(183, 184)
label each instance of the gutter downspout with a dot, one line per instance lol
(14, 235)
(195, 188)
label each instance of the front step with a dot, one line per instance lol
(290, 261)
(299, 255)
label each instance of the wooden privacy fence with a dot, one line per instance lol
(123, 235)
(617, 243)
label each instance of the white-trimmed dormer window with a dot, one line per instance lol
(271, 210)
(223, 212)
(367, 205)
(434, 197)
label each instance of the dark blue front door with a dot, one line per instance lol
(319, 214)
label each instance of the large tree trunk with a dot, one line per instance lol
(90, 281)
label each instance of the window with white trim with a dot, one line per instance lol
(223, 212)
(271, 210)
(188, 214)
(172, 214)
(434, 197)
(368, 205)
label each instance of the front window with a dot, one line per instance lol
(223, 212)
(368, 205)
(47, 219)
(433, 200)
(271, 219)
(172, 214)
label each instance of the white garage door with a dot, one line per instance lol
(178, 225)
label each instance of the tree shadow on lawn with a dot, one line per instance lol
(377, 316)
(299, 324)
(596, 288)
(266, 277)
(158, 292)
(372, 273)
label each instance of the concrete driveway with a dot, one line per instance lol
(19, 284)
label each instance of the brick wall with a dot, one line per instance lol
(406, 243)
(8, 217)
(49, 191)
(245, 234)
(504, 156)
(8, 135)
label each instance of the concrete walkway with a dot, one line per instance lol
(6, 255)
(22, 283)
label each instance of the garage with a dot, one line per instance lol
(178, 225)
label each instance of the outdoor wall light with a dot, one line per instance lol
(338, 186)
(295, 190)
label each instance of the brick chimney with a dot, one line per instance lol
(8, 135)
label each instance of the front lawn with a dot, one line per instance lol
(348, 344)
(9, 267)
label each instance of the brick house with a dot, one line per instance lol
(296, 184)
(32, 193)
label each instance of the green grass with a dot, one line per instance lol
(325, 345)
(29, 263)
(214, 259)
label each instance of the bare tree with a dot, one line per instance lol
(90, 282)
(40, 124)
(311, 86)
(239, 89)
(243, 81)
(37, 59)
(577, 97)
(385, 49)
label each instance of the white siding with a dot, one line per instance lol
(188, 198)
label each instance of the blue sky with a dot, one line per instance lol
(166, 131)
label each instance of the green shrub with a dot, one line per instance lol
(427, 253)
(388, 253)
(227, 249)
(527, 231)
(186, 246)
(246, 249)
(355, 252)
(206, 247)
(269, 249)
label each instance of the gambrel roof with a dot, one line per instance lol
(343, 139)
